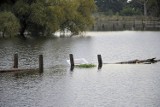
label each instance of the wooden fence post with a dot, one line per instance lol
(114, 27)
(124, 26)
(41, 63)
(71, 61)
(143, 24)
(99, 61)
(15, 61)
(134, 24)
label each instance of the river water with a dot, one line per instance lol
(114, 85)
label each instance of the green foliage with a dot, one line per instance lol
(134, 7)
(9, 24)
(86, 65)
(152, 7)
(109, 13)
(108, 5)
(21, 8)
(48, 16)
(128, 11)
(37, 13)
(77, 15)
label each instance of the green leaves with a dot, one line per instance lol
(21, 8)
(78, 15)
(128, 11)
(37, 16)
(9, 23)
(86, 65)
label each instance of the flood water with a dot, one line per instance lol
(114, 85)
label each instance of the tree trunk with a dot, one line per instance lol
(158, 3)
(145, 8)
(23, 28)
(3, 33)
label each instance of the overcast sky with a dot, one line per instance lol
(129, 0)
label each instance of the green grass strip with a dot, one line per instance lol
(86, 65)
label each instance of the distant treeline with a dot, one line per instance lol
(129, 7)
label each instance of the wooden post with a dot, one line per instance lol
(134, 24)
(93, 27)
(103, 27)
(154, 24)
(15, 61)
(143, 25)
(99, 61)
(113, 27)
(41, 63)
(71, 61)
(124, 26)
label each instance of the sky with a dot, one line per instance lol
(129, 0)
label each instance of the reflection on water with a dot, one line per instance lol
(112, 86)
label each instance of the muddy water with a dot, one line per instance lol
(112, 86)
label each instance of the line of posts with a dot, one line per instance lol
(100, 63)
(15, 65)
(41, 64)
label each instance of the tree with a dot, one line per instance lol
(158, 5)
(149, 7)
(144, 3)
(9, 24)
(128, 11)
(76, 15)
(48, 16)
(110, 5)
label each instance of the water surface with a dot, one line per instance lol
(112, 86)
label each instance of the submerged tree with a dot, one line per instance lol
(48, 16)
(9, 24)
(79, 20)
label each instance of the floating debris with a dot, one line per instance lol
(79, 61)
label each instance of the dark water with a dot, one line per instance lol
(112, 86)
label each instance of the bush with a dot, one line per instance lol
(9, 24)
(128, 11)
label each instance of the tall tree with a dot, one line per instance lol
(49, 16)
(9, 24)
(149, 7)
(107, 5)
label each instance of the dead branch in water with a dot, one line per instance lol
(136, 61)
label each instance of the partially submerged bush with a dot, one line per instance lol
(9, 24)
(86, 65)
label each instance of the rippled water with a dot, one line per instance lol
(112, 86)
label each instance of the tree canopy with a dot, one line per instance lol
(148, 7)
(9, 25)
(129, 7)
(110, 5)
(48, 16)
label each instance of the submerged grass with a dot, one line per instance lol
(86, 65)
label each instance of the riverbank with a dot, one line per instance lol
(119, 23)
(109, 23)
